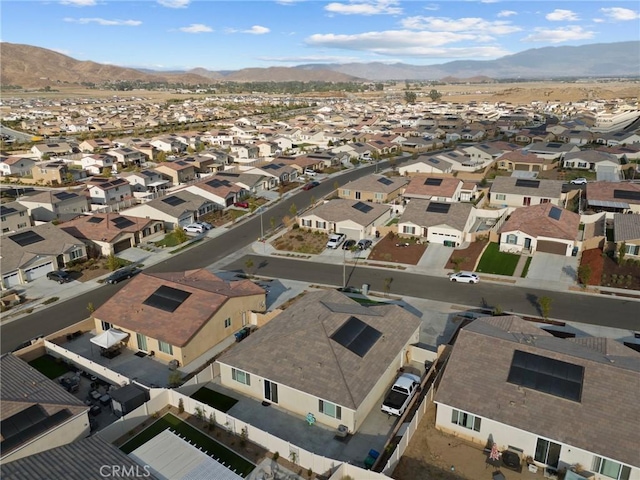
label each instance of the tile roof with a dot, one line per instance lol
(309, 360)
(520, 156)
(536, 221)
(208, 293)
(626, 227)
(545, 188)
(192, 203)
(54, 197)
(416, 213)
(605, 191)
(423, 186)
(592, 156)
(606, 419)
(372, 183)
(104, 227)
(340, 209)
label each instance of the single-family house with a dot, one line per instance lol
(540, 228)
(111, 233)
(426, 164)
(99, 164)
(551, 150)
(482, 151)
(32, 253)
(14, 217)
(95, 144)
(354, 218)
(614, 139)
(108, 191)
(56, 205)
(209, 310)
(223, 191)
(626, 231)
(250, 182)
(373, 188)
(203, 164)
(177, 172)
(444, 223)
(430, 187)
(598, 161)
(37, 413)
(523, 161)
(55, 173)
(278, 172)
(16, 166)
(576, 137)
(335, 358)
(127, 157)
(618, 197)
(518, 192)
(176, 209)
(541, 388)
(145, 181)
(245, 151)
(51, 149)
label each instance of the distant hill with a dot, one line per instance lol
(288, 74)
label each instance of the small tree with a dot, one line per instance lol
(293, 210)
(410, 97)
(435, 95)
(584, 274)
(249, 265)
(272, 221)
(456, 263)
(180, 234)
(545, 306)
(175, 378)
(212, 421)
(622, 251)
(199, 413)
(113, 263)
(180, 406)
(161, 156)
(91, 308)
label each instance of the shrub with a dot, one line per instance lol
(50, 300)
(181, 406)
(295, 226)
(276, 456)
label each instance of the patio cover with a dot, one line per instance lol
(108, 339)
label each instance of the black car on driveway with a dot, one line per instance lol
(59, 276)
(122, 274)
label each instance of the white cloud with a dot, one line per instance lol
(598, 20)
(257, 30)
(79, 3)
(365, 7)
(196, 28)
(105, 22)
(468, 25)
(506, 13)
(174, 3)
(566, 34)
(432, 7)
(288, 3)
(311, 59)
(559, 15)
(620, 14)
(406, 43)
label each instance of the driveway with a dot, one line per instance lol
(549, 267)
(435, 257)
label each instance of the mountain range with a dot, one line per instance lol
(30, 66)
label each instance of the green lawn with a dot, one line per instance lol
(497, 262)
(170, 240)
(214, 399)
(49, 366)
(525, 270)
(204, 442)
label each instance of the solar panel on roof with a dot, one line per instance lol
(554, 145)
(547, 375)
(6, 210)
(52, 145)
(95, 219)
(166, 298)
(356, 336)
(626, 194)
(385, 181)
(362, 207)
(555, 213)
(122, 222)
(173, 200)
(26, 238)
(522, 182)
(434, 160)
(435, 182)
(438, 207)
(27, 424)
(64, 195)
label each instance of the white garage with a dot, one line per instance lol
(38, 271)
(352, 233)
(11, 280)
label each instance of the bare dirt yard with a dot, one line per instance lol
(302, 241)
(607, 272)
(468, 255)
(387, 250)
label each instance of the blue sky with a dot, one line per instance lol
(229, 35)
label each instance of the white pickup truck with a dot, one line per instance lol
(401, 393)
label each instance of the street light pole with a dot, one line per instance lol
(264, 246)
(344, 268)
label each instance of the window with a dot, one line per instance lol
(5, 230)
(501, 196)
(240, 376)
(357, 195)
(547, 452)
(22, 214)
(22, 225)
(512, 239)
(409, 230)
(465, 420)
(106, 326)
(76, 254)
(379, 196)
(330, 409)
(632, 249)
(611, 469)
(346, 193)
(306, 223)
(227, 323)
(3, 219)
(165, 347)
(322, 225)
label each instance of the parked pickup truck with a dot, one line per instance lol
(396, 401)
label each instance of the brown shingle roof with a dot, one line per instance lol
(103, 226)
(418, 188)
(535, 221)
(416, 213)
(605, 191)
(372, 183)
(605, 421)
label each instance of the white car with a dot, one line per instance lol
(579, 181)
(310, 173)
(194, 228)
(464, 277)
(335, 240)
(205, 225)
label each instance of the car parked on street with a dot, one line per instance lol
(122, 274)
(364, 244)
(464, 277)
(310, 185)
(241, 204)
(579, 181)
(194, 228)
(348, 244)
(335, 240)
(59, 276)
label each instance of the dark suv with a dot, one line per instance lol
(59, 276)
(121, 274)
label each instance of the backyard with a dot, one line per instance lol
(49, 366)
(393, 248)
(301, 241)
(497, 262)
(214, 399)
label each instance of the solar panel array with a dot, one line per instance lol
(385, 181)
(64, 195)
(6, 210)
(523, 182)
(26, 238)
(28, 424)
(434, 160)
(546, 375)
(362, 207)
(216, 182)
(167, 299)
(435, 182)
(356, 336)
(554, 145)
(626, 194)
(95, 219)
(438, 207)
(122, 222)
(173, 200)
(555, 213)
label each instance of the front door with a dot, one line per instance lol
(527, 201)
(142, 342)
(271, 391)
(527, 243)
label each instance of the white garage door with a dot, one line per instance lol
(39, 271)
(11, 280)
(351, 233)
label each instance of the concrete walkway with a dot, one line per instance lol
(520, 267)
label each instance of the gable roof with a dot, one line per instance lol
(104, 227)
(592, 156)
(626, 227)
(340, 209)
(540, 221)
(601, 422)
(428, 186)
(538, 188)
(205, 293)
(624, 192)
(187, 202)
(455, 217)
(376, 183)
(311, 361)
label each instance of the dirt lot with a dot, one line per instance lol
(387, 251)
(471, 254)
(594, 259)
(302, 241)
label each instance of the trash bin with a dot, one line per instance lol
(365, 288)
